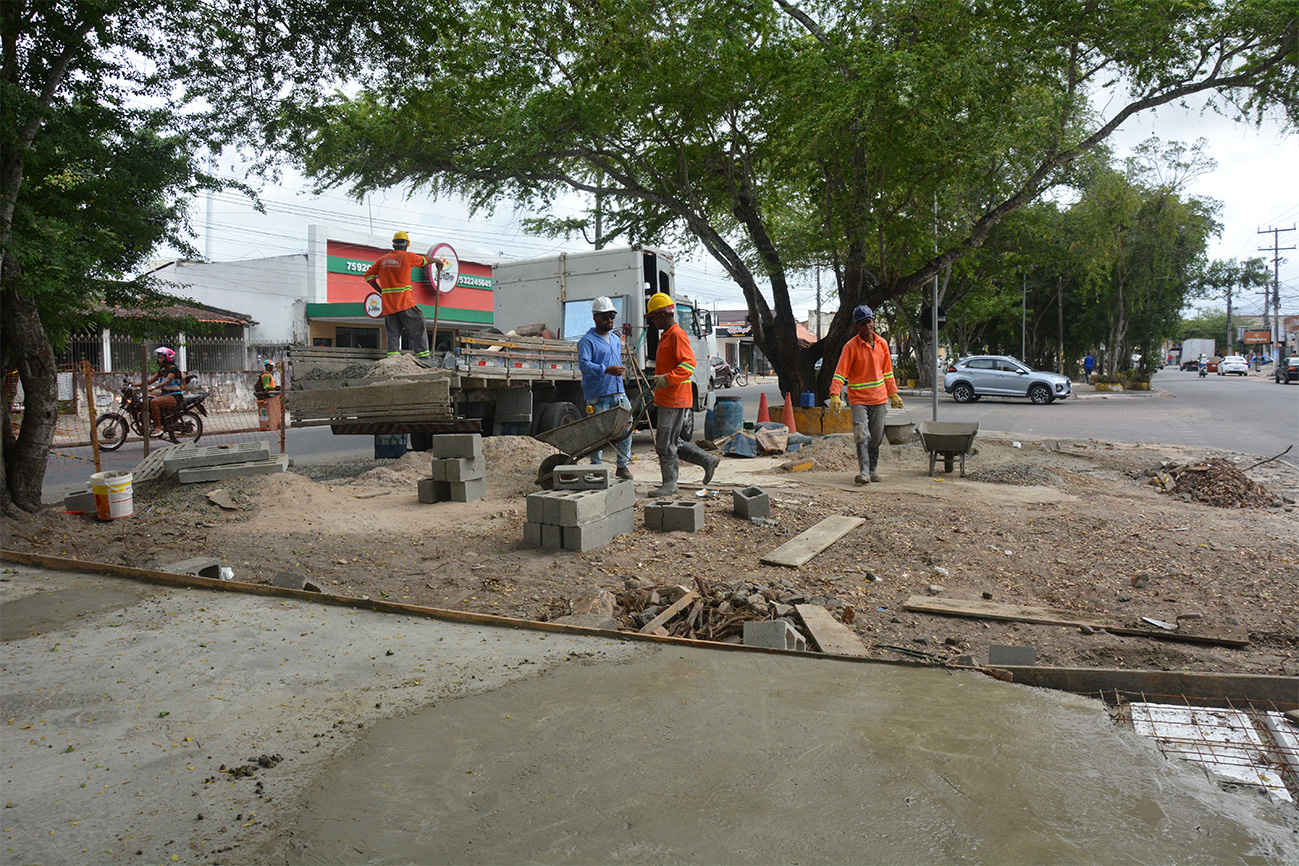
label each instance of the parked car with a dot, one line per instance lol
(1235, 364)
(1003, 376)
(1287, 371)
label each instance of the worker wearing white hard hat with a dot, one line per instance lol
(599, 356)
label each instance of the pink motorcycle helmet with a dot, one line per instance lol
(167, 354)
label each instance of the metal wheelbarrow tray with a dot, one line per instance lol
(579, 439)
(948, 438)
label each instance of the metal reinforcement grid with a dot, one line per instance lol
(1255, 745)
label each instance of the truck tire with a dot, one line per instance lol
(688, 427)
(556, 415)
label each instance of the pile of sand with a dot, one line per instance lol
(394, 366)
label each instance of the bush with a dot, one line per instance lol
(907, 369)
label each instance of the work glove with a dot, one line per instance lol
(895, 400)
(660, 381)
(835, 403)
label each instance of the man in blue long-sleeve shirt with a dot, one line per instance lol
(599, 355)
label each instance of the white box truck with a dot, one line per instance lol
(557, 291)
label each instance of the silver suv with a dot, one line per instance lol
(1003, 376)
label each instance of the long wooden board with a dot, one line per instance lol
(809, 543)
(670, 611)
(832, 637)
(1050, 616)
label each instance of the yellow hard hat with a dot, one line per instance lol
(659, 301)
(401, 236)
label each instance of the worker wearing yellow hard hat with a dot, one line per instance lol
(674, 366)
(390, 277)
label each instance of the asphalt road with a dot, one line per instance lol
(1252, 415)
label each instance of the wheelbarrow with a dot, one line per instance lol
(951, 439)
(584, 437)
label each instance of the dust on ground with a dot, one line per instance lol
(1068, 524)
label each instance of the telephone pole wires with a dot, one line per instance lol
(1276, 250)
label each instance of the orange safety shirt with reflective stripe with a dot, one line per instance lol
(675, 360)
(866, 370)
(392, 272)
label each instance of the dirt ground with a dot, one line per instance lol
(1065, 524)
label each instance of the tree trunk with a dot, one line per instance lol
(27, 348)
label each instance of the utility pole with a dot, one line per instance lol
(1276, 250)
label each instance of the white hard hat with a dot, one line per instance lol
(602, 305)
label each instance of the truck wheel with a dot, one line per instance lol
(557, 415)
(688, 427)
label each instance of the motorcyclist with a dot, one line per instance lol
(166, 384)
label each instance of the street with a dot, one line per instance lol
(1252, 415)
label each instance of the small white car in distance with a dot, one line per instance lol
(1233, 364)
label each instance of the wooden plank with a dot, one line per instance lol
(808, 544)
(670, 611)
(1049, 616)
(832, 637)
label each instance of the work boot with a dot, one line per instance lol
(624, 472)
(692, 453)
(875, 478)
(862, 478)
(670, 467)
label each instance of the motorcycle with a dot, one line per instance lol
(1204, 369)
(183, 422)
(725, 376)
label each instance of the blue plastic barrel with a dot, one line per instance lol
(709, 431)
(807, 400)
(389, 446)
(728, 416)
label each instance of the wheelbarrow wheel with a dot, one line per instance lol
(548, 466)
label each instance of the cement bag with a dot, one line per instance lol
(741, 443)
(773, 439)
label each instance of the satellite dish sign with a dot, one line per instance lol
(374, 305)
(445, 280)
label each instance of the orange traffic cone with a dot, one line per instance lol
(789, 414)
(764, 414)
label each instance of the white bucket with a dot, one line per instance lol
(113, 498)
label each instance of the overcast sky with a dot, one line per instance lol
(1257, 181)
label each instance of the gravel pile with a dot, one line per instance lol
(351, 371)
(1019, 474)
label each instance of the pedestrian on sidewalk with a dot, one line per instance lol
(866, 368)
(674, 365)
(1089, 364)
(599, 356)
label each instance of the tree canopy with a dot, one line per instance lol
(886, 138)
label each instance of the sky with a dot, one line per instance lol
(1256, 180)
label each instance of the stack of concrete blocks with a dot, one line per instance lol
(459, 470)
(587, 509)
(674, 516)
(751, 502)
(773, 634)
(197, 464)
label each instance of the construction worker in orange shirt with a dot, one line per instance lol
(390, 277)
(866, 368)
(674, 365)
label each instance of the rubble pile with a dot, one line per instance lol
(1215, 482)
(718, 613)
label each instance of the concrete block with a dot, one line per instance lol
(532, 534)
(280, 463)
(464, 446)
(431, 490)
(751, 502)
(458, 469)
(79, 502)
(552, 536)
(289, 580)
(999, 654)
(594, 535)
(675, 516)
(585, 477)
(774, 634)
(199, 566)
(467, 491)
(579, 507)
(537, 507)
(193, 457)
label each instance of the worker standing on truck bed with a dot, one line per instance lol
(390, 277)
(674, 365)
(599, 355)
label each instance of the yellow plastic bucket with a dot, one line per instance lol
(113, 497)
